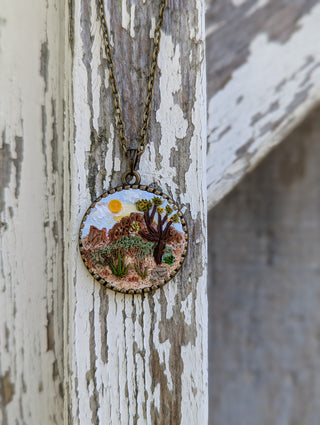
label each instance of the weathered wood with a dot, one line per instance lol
(132, 359)
(66, 341)
(263, 66)
(264, 250)
(31, 279)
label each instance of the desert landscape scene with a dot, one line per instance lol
(133, 239)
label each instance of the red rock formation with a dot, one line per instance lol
(175, 236)
(136, 217)
(95, 239)
(123, 228)
(120, 229)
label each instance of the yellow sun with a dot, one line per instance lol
(115, 205)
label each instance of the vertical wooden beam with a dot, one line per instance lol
(31, 281)
(138, 359)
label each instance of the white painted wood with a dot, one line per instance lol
(31, 282)
(57, 153)
(263, 79)
(71, 351)
(138, 359)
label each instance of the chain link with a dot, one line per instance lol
(113, 81)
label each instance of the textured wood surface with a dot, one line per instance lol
(31, 283)
(264, 290)
(263, 66)
(138, 359)
(67, 342)
(71, 351)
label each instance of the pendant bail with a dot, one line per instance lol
(133, 156)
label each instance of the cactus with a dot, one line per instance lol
(168, 259)
(142, 274)
(119, 268)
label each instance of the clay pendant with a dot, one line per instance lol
(133, 239)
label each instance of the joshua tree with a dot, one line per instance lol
(158, 232)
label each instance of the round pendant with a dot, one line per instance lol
(133, 239)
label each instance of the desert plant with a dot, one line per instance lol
(99, 256)
(118, 266)
(127, 243)
(158, 232)
(136, 226)
(142, 273)
(168, 259)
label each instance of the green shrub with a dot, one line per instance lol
(168, 259)
(127, 243)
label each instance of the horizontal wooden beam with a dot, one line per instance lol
(263, 68)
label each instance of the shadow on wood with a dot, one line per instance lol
(264, 290)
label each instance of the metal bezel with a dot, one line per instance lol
(148, 289)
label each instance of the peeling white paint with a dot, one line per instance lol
(123, 381)
(169, 114)
(95, 364)
(132, 13)
(31, 118)
(152, 27)
(128, 17)
(269, 85)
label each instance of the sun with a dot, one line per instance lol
(115, 206)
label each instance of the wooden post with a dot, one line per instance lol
(31, 212)
(65, 340)
(138, 359)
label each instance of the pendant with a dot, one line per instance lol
(133, 239)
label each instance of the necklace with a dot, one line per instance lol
(133, 238)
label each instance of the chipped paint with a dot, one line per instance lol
(31, 320)
(131, 357)
(278, 84)
(17, 161)
(44, 61)
(50, 331)
(5, 169)
(6, 390)
(76, 354)
(6, 161)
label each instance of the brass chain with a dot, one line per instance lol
(113, 82)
